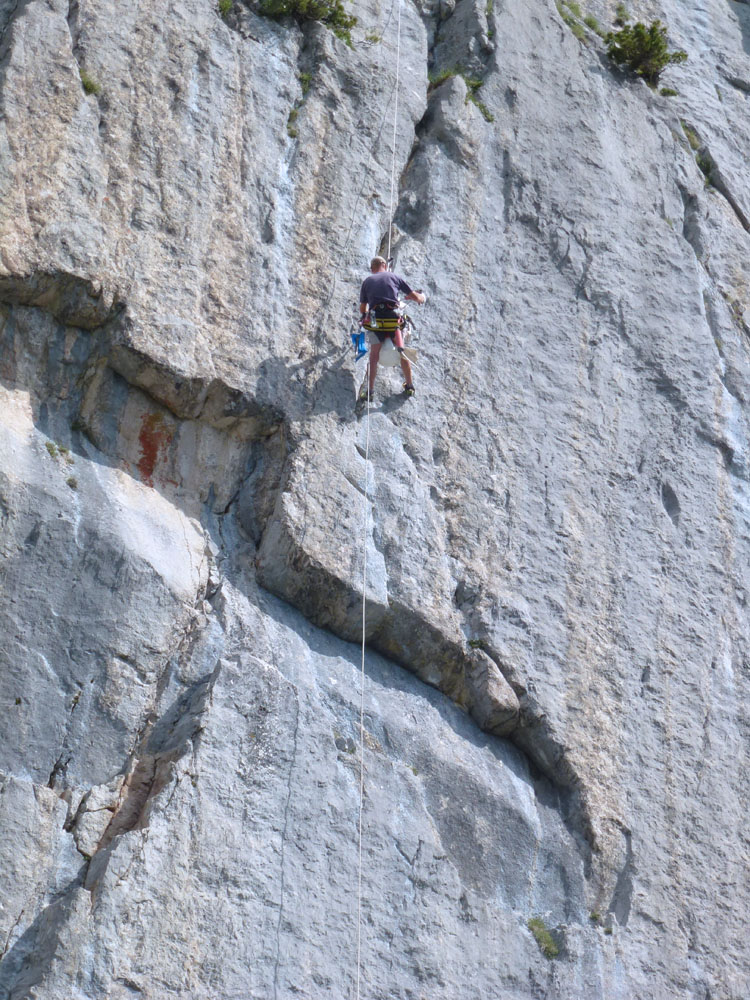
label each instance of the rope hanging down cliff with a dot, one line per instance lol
(341, 253)
(366, 527)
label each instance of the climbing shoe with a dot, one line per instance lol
(408, 390)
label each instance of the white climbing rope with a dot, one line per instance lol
(366, 531)
(343, 249)
(395, 123)
(365, 528)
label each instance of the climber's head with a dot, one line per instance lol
(378, 264)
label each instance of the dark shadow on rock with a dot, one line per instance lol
(312, 387)
(394, 403)
(30, 958)
(383, 673)
(170, 736)
(741, 11)
(480, 860)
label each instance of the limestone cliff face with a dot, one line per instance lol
(558, 540)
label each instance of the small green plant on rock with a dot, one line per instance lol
(489, 7)
(225, 7)
(705, 165)
(436, 78)
(570, 12)
(669, 92)
(89, 83)
(51, 448)
(703, 158)
(72, 482)
(691, 136)
(472, 95)
(591, 22)
(578, 31)
(543, 938)
(331, 13)
(643, 50)
(373, 37)
(472, 87)
(291, 129)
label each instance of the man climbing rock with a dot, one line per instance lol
(379, 296)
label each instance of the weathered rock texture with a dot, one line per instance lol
(557, 526)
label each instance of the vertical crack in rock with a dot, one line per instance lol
(714, 175)
(72, 19)
(691, 227)
(7, 17)
(671, 503)
(623, 892)
(165, 740)
(57, 774)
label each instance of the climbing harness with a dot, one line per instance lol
(371, 325)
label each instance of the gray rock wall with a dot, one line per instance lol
(556, 525)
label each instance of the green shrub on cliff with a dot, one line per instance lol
(329, 12)
(643, 50)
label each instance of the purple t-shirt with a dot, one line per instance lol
(384, 286)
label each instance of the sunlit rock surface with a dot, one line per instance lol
(556, 526)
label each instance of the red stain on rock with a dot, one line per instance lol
(154, 440)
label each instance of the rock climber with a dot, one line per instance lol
(380, 295)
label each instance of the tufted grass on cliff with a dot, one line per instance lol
(472, 95)
(691, 135)
(89, 83)
(543, 938)
(472, 88)
(331, 13)
(570, 12)
(436, 78)
(291, 127)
